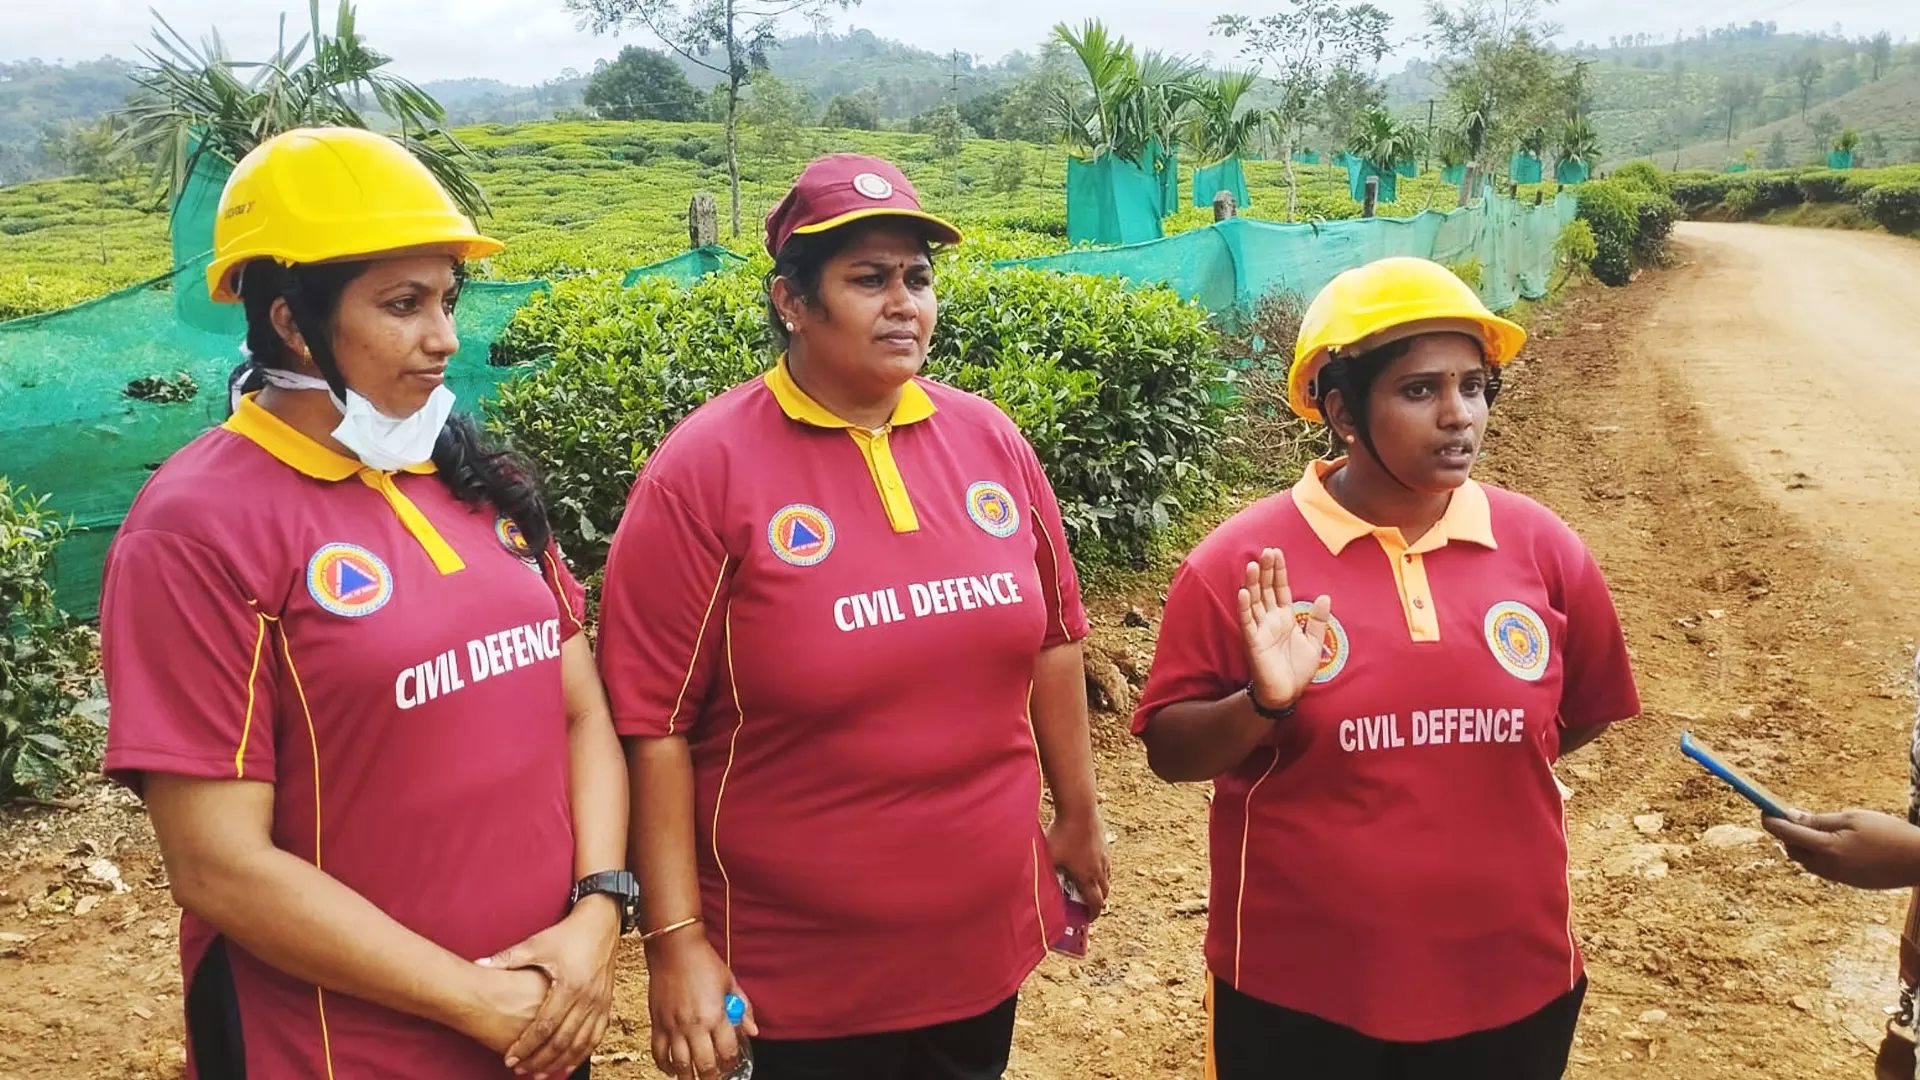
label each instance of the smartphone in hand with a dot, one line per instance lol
(1073, 939)
(1770, 804)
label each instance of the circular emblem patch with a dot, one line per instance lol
(511, 537)
(873, 186)
(1518, 638)
(801, 535)
(349, 580)
(991, 508)
(1334, 650)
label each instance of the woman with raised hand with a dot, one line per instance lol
(840, 631)
(1389, 897)
(347, 670)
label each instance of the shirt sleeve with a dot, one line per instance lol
(1066, 615)
(569, 596)
(662, 612)
(190, 662)
(1199, 655)
(1598, 681)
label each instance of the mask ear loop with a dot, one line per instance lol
(309, 326)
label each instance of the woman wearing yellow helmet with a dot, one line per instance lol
(1388, 840)
(347, 669)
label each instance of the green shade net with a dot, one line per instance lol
(1839, 159)
(1227, 176)
(1229, 267)
(1571, 172)
(1408, 169)
(686, 267)
(1111, 201)
(1454, 174)
(1308, 157)
(1525, 169)
(1737, 167)
(1357, 173)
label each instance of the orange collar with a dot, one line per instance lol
(914, 405)
(1468, 518)
(293, 449)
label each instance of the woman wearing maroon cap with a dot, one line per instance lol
(840, 630)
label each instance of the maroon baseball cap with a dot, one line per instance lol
(842, 188)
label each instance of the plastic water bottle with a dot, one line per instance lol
(736, 1013)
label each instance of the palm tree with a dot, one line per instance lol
(1383, 142)
(197, 99)
(1216, 127)
(1128, 101)
(1579, 142)
(1477, 127)
(1533, 141)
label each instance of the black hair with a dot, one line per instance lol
(477, 470)
(802, 259)
(1354, 377)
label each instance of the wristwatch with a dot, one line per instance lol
(618, 884)
(1267, 711)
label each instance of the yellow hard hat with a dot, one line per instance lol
(1384, 302)
(324, 194)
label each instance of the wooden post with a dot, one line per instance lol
(1469, 184)
(1373, 196)
(703, 221)
(1223, 207)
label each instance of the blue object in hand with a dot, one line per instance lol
(737, 1013)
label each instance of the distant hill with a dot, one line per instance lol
(1888, 110)
(37, 96)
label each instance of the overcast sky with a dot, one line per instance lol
(525, 41)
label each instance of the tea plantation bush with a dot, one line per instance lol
(1113, 386)
(45, 659)
(1885, 196)
(1630, 227)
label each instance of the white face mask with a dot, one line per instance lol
(378, 440)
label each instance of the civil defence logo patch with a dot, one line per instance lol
(800, 535)
(511, 537)
(349, 580)
(1334, 649)
(1518, 637)
(991, 507)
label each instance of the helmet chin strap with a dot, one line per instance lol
(310, 329)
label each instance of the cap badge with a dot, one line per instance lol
(873, 186)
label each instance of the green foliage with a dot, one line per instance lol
(1112, 385)
(643, 84)
(1847, 141)
(1383, 142)
(37, 97)
(1643, 176)
(1579, 142)
(1629, 227)
(1219, 126)
(777, 112)
(949, 132)
(189, 92)
(860, 111)
(1010, 170)
(1575, 248)
(44, 658)
(1777, 151)
(1128, 100)
(1895, 207)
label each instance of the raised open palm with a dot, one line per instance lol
(1282, 654)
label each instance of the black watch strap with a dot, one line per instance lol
(1253, 698)
(620, 885)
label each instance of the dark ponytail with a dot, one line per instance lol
(478, 471)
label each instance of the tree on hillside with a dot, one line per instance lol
(1028, 110)
(1777, 150)
(1806, 75)
(92, 152)
(950, 133)
(1734, 93)
(859, 111)
(1876, 146)
(1347, 96)
(982, 112)
(1010, 169)
(1300, 48)
(730, 38)
(777, 110)
(1824, 125)
(188, 92)
(643, 84)
(1880, 49)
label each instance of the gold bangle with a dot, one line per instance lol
(668, 929)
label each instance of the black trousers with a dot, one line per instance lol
(972, 1049)
(1255, 1040)
(213, 1021)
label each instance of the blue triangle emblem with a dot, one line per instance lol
(801, 536)
(353, 579)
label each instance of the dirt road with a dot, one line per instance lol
(1737, 438)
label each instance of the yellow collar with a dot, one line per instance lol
(914, 405)
(294, 450)
(1468, 518)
